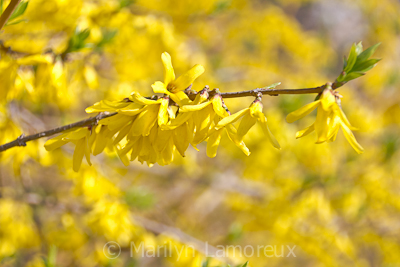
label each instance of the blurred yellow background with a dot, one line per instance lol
(336, 207)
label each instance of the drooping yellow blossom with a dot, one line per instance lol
(249, 117)
(174, 87)
(201, 116)
(330, 118)
(82, 139)
(135, 130)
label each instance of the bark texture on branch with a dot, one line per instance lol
(8, 12)
(21, 140)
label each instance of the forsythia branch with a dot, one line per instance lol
(8, 12)
(21, 140)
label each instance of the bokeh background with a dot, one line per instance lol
(338, 208)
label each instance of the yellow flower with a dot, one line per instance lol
(249, 117)
(174, 87)
(200, 117)
(82, 140)
(330, 118)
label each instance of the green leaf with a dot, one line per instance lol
(51, 258)
(341, 77)
(19, 10)
(344, 62)
(16, 22)
(77, 40)
(108, 36)
(359, 48)
(83, 35)
(125, 3)
(368, 53)
(205, 263)
(351, 60)
(365, 65)
(271, 86)
(352, 76)
(245, 265)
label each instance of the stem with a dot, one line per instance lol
(21, 140)
(274, 92)
(7, 13)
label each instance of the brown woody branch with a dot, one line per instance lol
(8, 12)
(21, 140)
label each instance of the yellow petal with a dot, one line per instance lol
(137, 98)
(203, 120)
(77, 134)
(100, 143)
(169, 74)
(213, 143)
(256, 108)
(145, 121)
(131, 110)
(78, 154)
(55, 142)
(231, 119)
(122, 153)
(334, 127)
(35, 59)
(186, 79)
(87, 151)
(305, 131)
(181, 139)
(180, 119)
(153, 134)
(119, 122)
(232, 134)
(321, 125)
(124, 131)
(136, 148)
(180, 98)
(159, 88)
(191, 108)
(302, 112)
(344, 119)
(327, 100)
(162, 140)
(268, 133)
(153, 156)
(351, 139)
(146, 150)
(218, 108)
(245, 124)
(106, 105)
(163, 112)
(167, 155)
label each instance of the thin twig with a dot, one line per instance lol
(8, 12)
(273, 92)
(21, 140)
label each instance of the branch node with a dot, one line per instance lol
(20, 140)
(255, 92)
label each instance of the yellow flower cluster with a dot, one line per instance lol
(330, 118)
(152, 129)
